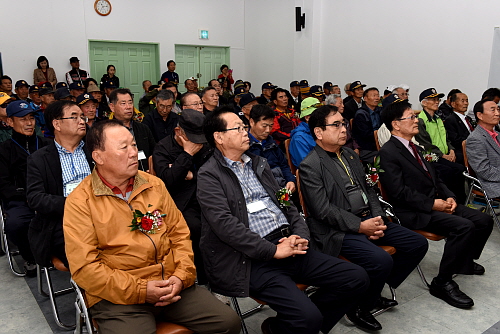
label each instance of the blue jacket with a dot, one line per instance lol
(301, 143)
(275, 158)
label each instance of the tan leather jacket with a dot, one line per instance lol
(108, 260)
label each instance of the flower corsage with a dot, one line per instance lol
(373, 173)
(430, 157)
(148, 222)
(283, 196)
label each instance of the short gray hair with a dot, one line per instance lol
(331, 99)
(165, 94)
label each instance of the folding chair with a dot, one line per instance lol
(83, 318)
(289, 157)
(6, 249)
(476, 188)
(375, 134)
(150, 163)
(51, 293)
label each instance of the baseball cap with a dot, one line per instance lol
(428, 93)
(19, 108)
(246, 99)
(73, 59)
(76, 85)
(62, 93)
(304, 89)
(61, 84)
(192, 78)
(316, 91)
(191, 121)
(393, 98)
(304, 83)
(356, 84)
(239, 91)
(46, 88)
(294, 83)
(84, 98)
(308, 105)
(20, 83)
(327, 85)
(239, 83)
(4, 97)
(34, 89)
(268, 85)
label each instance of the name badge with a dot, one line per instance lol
(256, 206)
(141, 155)
(365, 199)
(68, 188)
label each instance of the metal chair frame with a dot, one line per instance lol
(5, 247)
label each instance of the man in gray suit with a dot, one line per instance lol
(483, 147)
(346, 217)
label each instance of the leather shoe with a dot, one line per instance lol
(451, 293)
(267, 326)
(478, 269)
(363, 319)
(30, 269)
(383, 303)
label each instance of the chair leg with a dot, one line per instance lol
(39, 279)
(82, 314)
(10, 254)
(382, 310)
(238, 311)
(52, 295)
(422, 276)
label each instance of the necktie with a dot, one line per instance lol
(417, 156)
(469, 123)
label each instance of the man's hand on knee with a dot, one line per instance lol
(157, 289)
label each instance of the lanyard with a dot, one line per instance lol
(25, 149)
(345, 167)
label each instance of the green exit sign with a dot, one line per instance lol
(203, 34)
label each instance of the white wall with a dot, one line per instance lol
(60, 29)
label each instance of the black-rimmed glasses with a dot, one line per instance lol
(241, 128)
(77, 118)
(338, 124)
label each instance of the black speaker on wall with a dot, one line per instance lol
(300, 19)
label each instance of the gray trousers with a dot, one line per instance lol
(197, 310)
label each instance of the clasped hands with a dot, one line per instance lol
(447, 206)
(373, 228)
(291, 246)
(164, 292)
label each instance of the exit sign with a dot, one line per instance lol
(203, 34)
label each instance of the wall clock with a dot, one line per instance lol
(102, 7)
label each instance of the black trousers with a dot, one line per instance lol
(381, 267)
(466, 231)
(193, 220)
(341, 285)
(19, 216)
(451, 174)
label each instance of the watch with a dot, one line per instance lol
(102, 7)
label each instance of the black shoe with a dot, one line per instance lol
(478, 269)
(30, 269)
(267, 326)
(450, 293)
(383, 303)
(363, 319)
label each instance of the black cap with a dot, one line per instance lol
(73, 59)
(46, 88)
(34, 89)
(20, 83)
(356, 84)
(268, 85)
(246, 99)
(304, 83)
(316, 91)
(393, 98)
(61, 84)
(191, 121)
(294, 83)
(239, 83)
(239, 91)
(84, 98)
(62, 93)
(428, 93)
(76, 85)
(327, 85)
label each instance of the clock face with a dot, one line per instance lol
(102, 7)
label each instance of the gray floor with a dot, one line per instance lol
(418, 311)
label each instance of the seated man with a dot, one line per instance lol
(253, 245)
(423, 202)
(366, 120)
(483, 148)
(302, 141)
(14, 153)
(162, 121)
(54, 171)
(128, 246)
(176, 160)
(285, 120)
(346, 217)
(458, 125)
(261, 143)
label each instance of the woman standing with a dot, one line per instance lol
(44, 73)
(227, 74)
(110, 75)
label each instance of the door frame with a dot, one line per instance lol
(227, 50)
(156, 45)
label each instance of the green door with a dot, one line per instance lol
(202, 62)
(134, 63)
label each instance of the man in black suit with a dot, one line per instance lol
(346, 217)
(423, 202)
(458, 125)
(53, 172)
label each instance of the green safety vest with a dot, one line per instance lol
(435, 128)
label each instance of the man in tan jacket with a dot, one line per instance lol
(128, 246)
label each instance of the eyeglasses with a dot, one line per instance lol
(163, 107)
(195, 104)
(412, 117)
(338, 124)
(76, 118)
(241, 128)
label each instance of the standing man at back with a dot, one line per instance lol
(76, 74)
